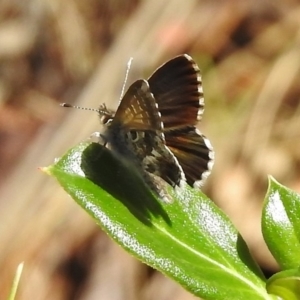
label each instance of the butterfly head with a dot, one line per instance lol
(106, 115)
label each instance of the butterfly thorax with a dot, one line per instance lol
(120, 139)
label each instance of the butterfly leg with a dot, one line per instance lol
(99, 138)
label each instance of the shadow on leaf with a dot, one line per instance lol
(121, 180)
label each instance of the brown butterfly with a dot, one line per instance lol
(135, 133)
(154, 126)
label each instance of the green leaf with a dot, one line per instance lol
(281, 224)
(190, 240)
(285, 284)
(15, 285)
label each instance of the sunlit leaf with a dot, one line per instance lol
(281, 224)
(190, 240)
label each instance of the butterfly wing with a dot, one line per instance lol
(193, 152)
(157, 159)
(177, 88)
(138, 109)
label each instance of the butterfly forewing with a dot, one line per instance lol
(177, 89)
(138, 109)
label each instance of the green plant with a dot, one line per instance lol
(16, 281)
(190, 240)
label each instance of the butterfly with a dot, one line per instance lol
(154, 127)
(135, 133)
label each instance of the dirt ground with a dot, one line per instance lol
(77, 51)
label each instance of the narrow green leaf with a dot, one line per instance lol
(281, 224)
(285, 284)
(16, 282)
(190, 240)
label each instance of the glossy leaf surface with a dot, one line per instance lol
(190, 240)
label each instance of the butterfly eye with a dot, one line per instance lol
(106, 120)
(134, 136)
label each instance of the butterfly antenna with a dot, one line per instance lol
(79, 107)
(126, 77)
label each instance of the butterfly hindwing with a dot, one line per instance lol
(193, 152)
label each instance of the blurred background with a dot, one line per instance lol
(75, 51)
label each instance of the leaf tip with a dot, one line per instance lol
(46, 170)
